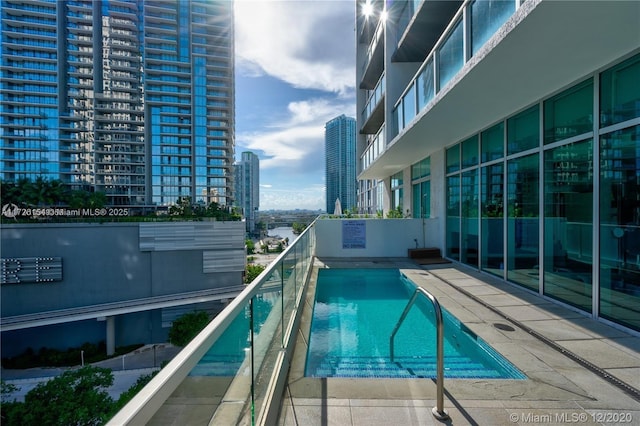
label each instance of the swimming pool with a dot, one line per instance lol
(354, 313)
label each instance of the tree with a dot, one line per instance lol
(187, 326)
(252, 272)
(77, 397)
(251, 246)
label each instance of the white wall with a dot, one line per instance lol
(383, 237)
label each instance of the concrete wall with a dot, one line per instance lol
(113, 262)
(382, 237)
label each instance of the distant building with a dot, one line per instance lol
(340, 171)
(133, 99)
(247, 188)
(63, 284)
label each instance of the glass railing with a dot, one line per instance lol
(375, 97)
(244, 350)
(374, 43)
(485, 18)
(374, 149)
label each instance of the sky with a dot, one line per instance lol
(295, 70)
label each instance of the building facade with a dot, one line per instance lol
(247, 188)
(340, 157)
(133, 99)
(515, 125)
(124, 283)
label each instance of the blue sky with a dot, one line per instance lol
(295, 70)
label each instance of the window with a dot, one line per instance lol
(620, 92)
(569, 113)
(493, 143)
(523, 130)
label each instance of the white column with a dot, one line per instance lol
(111, 335)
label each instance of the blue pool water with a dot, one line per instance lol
(354, 313)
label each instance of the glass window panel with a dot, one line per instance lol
(453, 217)
(426, 198)
(451, 55)
(470, 152)
(522, 221)
(409, 103)
(453, 158)
(486, 17)
(469, 218)
(422, 199)
(620, 92)
(568, 223)
(492, 228)
(569, 113)
(620, 227)
(426, 88)
(493, 142)
(523, 130)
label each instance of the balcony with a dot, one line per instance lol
(373, 112)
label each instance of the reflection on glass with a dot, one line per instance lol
(453, 217)
(492, 219)
(425, 84)
(620, 227)
(453, 158)
(486, 17)
(469, 218)
(523, 130)
(451, 55)
(493, 142)
(470, 152)
(422, 199)
(569, 113)
(568, 220)
(522, 222)
(409, 104)
(620, 92)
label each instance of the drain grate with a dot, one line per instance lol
(503, 327)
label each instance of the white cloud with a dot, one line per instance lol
(295, 144)
(308, 44)
(311, 197)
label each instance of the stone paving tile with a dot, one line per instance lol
(600, 353)
(524, 313)
(557, 331)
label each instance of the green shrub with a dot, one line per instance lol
(187, 326)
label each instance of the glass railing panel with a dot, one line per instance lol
(451, 54)
(267, 313)
(486, 17)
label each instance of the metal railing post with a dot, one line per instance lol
(438, 411)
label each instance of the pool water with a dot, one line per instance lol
(354, 313)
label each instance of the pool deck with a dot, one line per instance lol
(565, 355)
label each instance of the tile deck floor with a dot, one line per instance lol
(558, 390)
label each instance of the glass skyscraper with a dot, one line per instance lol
(131, 98)
(247, 188)
(340, 155)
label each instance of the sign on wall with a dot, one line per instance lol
(354, 234)
(20, 270)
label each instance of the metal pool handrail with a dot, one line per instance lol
(438, 411)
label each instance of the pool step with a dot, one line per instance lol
(403, 367)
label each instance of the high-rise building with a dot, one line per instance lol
(247, 188)
(514, 127)
(340, 157)
(134, 99)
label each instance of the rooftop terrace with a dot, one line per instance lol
(579, 370)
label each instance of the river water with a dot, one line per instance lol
(283, 232)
